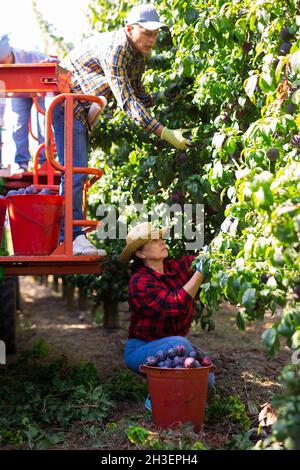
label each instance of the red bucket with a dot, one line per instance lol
(177, 395)
(35, 222)
(2, 217)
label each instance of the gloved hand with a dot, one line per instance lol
(95, 111)
(199, 267)
(168, 94)
(175, 137)
(204, 262)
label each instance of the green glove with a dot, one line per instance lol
(175, 137)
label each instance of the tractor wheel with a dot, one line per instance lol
(8, 313)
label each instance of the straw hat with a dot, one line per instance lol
(138, 236)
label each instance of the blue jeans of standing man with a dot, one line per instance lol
(21, 108)
(137, 351)
(80, 158)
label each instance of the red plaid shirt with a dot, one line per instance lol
(159, 306)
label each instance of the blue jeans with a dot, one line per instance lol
(80, 158)
(21, 108)
(136, 352)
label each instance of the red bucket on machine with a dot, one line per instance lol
(2, 216)
(35, 222)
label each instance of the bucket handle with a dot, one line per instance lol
(45, 227)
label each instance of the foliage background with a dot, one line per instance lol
(238, 66)
(238, 97)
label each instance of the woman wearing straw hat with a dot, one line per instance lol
(161, 296)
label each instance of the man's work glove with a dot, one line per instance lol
(95, 111)
(175, 137)
(168, 94)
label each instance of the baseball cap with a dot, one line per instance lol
(146, 16)
(5, 48)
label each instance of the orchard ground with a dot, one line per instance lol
(244, 370)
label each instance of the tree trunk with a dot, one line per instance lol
(111, 314)
(64, 288)
(82, 301)
(70, 291)
(55, 283)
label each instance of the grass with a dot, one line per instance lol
(53, 404)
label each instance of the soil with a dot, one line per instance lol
(243, 368)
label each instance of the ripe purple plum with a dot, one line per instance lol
(169, 363)
(273, 154)
(193, 354)
(182, 157)
(296, 141)
(197, 364)
(177, 361)
(285, 34)
(161, 355)
(206, 361)
(45, 191)
(161, 364)
(181, 350)
(177, 196)
(189, 363)
(172, 353)
(151, 361)
(31, 190)
(284, 48)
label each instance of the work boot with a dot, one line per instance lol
(82, 246)
(22, 167)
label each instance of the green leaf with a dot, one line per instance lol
(296, 340)
(240, 321)
(230, 144)
(282, 62)
(266, 82)
(263, 198)
(250, 86)
(295, 62)
(218, 140)
(248, 299)
(296, 97)
(137, 434)
(191, 15)
(271, 341)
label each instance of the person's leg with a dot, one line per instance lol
(41, 129)
(21, 108)
(80, 157)
(137, 351)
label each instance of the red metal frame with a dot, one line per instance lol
(39, 78)
(33, 80)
